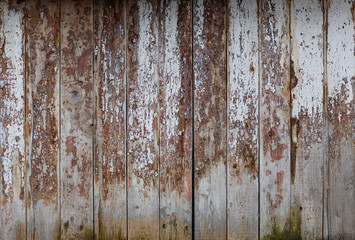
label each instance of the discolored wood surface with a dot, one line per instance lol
(76, 119)
(110, 117)
(42, 119)
(181, 119)
(175, 112)
(12, 121)
(243, 114)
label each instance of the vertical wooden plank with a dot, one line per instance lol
(243, 127)
(209, 65)
(143, 119)
(176, 122)
(12, 121)
(274, 119)
(76, 119)
(42, 121)
(110, 116)
(307, 119)
(341, 85)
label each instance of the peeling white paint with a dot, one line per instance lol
(11, 137)
(145, 94)
(307, 55)
(172, 70)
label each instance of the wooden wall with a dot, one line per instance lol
(202, 119)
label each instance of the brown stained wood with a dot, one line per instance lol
(110, 116)
(307, 129)
(12, 121)
(340, 100)
(176, 121)
(274, 116)
(209, 65)
(42, 109)
(243, 111)
(76, 119)
(143, 119)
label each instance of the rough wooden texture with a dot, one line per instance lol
(12, 121)
(76, 119)
(143, 119)
(274, 116)
(243, 111)
(176, 121)
(110, 134)
(209, 65)
(307, 129)
(42, 119)
(341, 115)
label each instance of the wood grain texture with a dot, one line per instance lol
(307, 128)
(243, 114)
(42, 121)
(209, 65)
(76, 119)
(143, 119)
(341, 117)
(176, 121)
(110, 116)
(274, 117)
(12, 121)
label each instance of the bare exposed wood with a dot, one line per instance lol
(243, 110)
(341, 118)
(12, 121)
(143, 119)
(176, 121)
(209, 62)
(110, 134)
(42, 121)
(274, 117)
(76, 119)
(307, 117)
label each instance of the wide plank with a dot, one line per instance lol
(275, 175)
(76, 119)
(143, 119)
(12, 120)
(175, 100)
(341, 119)
(110, 118)
(243, 116)
(209, 66)
(42, 121)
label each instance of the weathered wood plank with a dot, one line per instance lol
(307, 119)
(143, 119)
(341, 118)
(243, 111)
(76, 119)
(176, 122)
(209, 65)
(110, 117)
(12, 121)
(274, 119)
(42, 121)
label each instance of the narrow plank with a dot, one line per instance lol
(209, 65)
(243, 111)
(341, 117)
(42, 122)
(176, 121)
(143, 119)
(307, 119)
(274, 119)
(76, 119)
(12, 121)
(110, 117)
